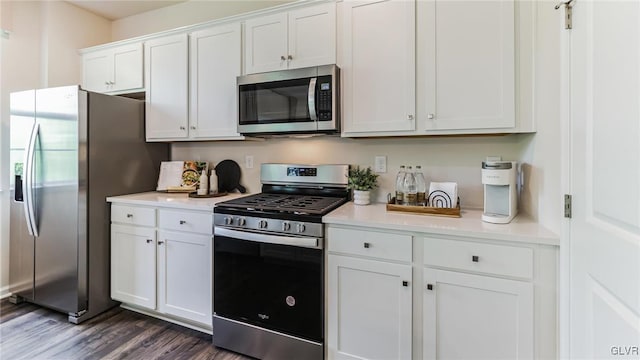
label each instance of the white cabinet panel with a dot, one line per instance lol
(369, 309)
(472, 68)
(133, 215)
(113, 70)
(476, 317)
(215, 62)
(378, 67)
(288, 40)
(133, 265)
(166, 76)
(184, 275)
(183, 220)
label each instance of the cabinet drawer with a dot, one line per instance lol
(133, 215)
(381, 245)
(197, 222)
(484, 258)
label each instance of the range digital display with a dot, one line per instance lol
(302, 171)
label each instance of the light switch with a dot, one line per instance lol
(248, 161)
(380, 164)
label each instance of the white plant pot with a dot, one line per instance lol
(361, 197)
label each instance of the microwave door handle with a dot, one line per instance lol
(311, 98)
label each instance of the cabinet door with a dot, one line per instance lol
(133, 265)
(216, 59)
(369, 309)
(96, 71)
(379, 66)
(266, 43)
(312, 36)
(127, 68)
(166, 76)
(472, 70)
(476, 317)
(184, 275)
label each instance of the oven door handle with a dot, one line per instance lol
(308, 242)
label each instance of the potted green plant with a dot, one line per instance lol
(362, 181)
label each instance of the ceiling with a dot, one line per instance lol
(118, 9)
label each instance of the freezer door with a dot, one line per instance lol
(22, 123)
(57, 198)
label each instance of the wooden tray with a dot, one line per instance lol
(424, 210)
(209, 195)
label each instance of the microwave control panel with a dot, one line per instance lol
(324, 98)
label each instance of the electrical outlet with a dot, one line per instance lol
(248, 161)
(380, 164)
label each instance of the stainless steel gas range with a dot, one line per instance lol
(269, 264)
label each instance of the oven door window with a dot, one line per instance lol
(277, 287)
(274, 102)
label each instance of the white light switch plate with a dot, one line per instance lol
(248, 162)
(380, 164)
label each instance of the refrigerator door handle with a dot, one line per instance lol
(28, 184)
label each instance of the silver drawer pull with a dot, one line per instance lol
(182, 222)
(129, 215)
(160, 242)
(367, 245)
(149, 241)
(475, 258)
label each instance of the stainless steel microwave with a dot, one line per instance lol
(298, 101)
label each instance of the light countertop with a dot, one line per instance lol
(173, 200)
(521, 229)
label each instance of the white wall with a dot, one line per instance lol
(442, 159)
(41, 51)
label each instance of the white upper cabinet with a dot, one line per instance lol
(294, 39)
(215, 62)
(113, 70)
(378, 66)
(470, 73)
(166, 75)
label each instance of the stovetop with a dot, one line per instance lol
(285, 203)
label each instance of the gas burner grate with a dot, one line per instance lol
(300, 204)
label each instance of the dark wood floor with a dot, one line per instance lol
(30, 332)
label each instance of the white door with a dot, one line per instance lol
(469, 316)
(378, 67)
(166, 75)
(127, 67)
(604, 163)
(96, 72)
(133, 265)
(184, 275)
(266, 43)
(215, 62)
(369, 309)
(312, 36)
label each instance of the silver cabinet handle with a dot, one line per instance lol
(282, 58)
(160, 242)
(289, 57)
(405, 283)
(367, 245)
(430, 116)
(475, 258)
(129, 216)
(183, 128)
(429, 287)
(149, 241)
(106, 83)
(182, 222)
(193, 128)
(410, 117)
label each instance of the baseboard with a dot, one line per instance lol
(4, 292)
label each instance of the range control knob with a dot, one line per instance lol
(286, 226)
(241, 221)
(228, 220)
(300, 227)
(262, 224)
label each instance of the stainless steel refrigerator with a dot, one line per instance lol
(70, 149)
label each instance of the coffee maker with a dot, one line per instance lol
(500, 180)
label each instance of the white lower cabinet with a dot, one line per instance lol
(468, 316)
(369, 295)
(369, 309)
(406, 295)
(161, 262)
